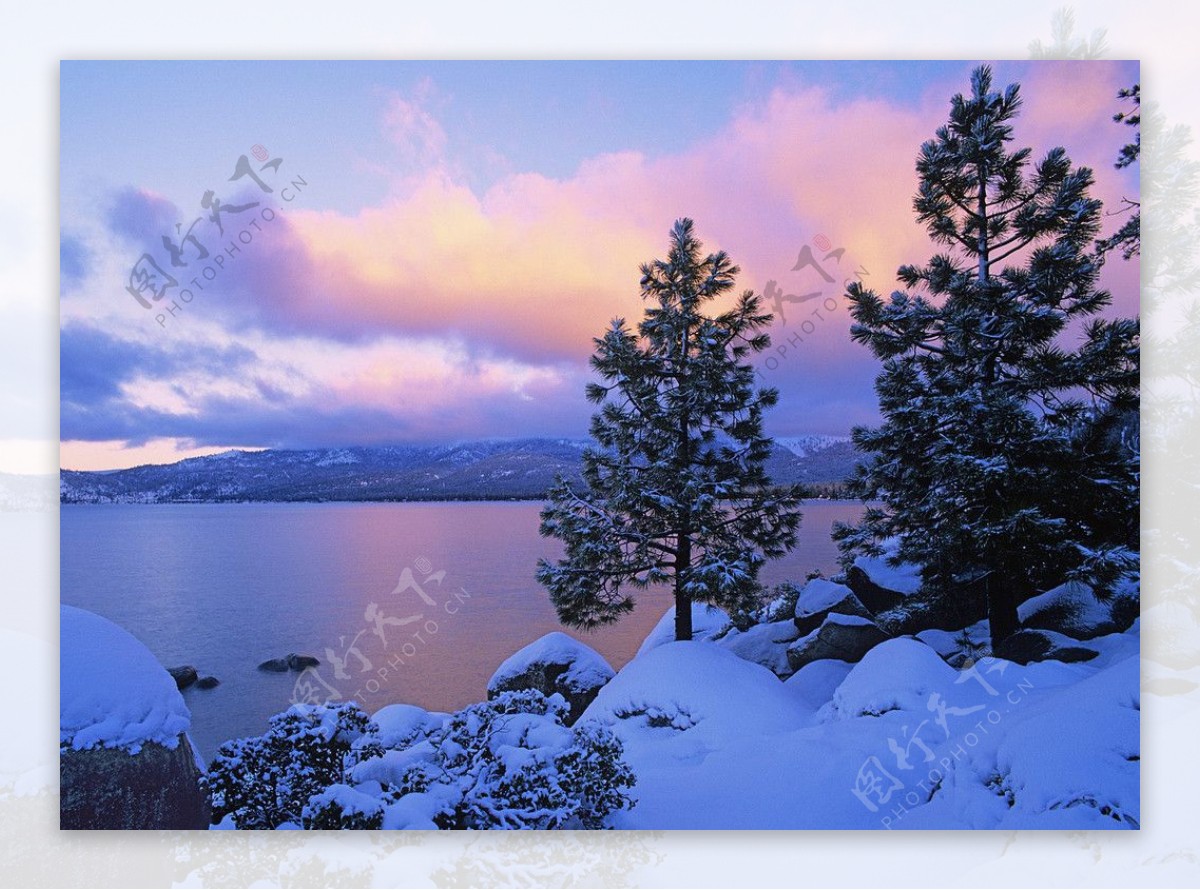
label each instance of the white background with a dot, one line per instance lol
(33, 38)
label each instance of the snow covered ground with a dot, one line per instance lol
(899, 740)
(716, 739)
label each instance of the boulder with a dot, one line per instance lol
(873, 596)
(555, 663)
(764, 644)
(819, 598)
(207, 683)
(1070, 609)
(843, 637)
(291, 662)
(158, 787)
(880, 585)
(1043, 645)
(184, 676)
(300, 662)
(958, 647)
(125, 760)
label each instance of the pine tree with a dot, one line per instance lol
(674, 489)
(1000, 459)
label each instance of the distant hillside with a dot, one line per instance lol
(487, 470)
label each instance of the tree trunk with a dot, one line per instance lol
(1002, 608)
(683, 602)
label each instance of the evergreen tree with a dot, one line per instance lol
(1001, 458)
(674, 489)
(1128, 239)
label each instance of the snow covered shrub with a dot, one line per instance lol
(782, 604)
(267, 780)
(340, 807)
(512, 763)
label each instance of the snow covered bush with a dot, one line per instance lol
(512, 763)
(340, 807)
(265, 781)
(507, 763)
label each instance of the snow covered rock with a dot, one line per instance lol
(879, 584)
(815, 683)
(956, 647)
(707, 623)
(1070, 609)
(844, 637)
(554, 663)
(1043, 645)
(124, 757)
(898, 675)
(820, 597)
(682, 687)
(764, 644)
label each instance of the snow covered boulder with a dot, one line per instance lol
(693, 689)
(1070, 609)
(815, 683)
(820, 597)
(708, 622)
(844, 637)
(879, 584)
(554, 663)
(898, 675)
(764, 644)
(957, 647)
(1043, 645)
(125, 760)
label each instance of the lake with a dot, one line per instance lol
(419, 602)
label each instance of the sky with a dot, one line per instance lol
(423, 251)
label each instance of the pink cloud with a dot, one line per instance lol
(535, 267)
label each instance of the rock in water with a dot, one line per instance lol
(184, 676)
(124, 756)
(275, 665)
(844, 637)
(207, 683)
(555, 663)
(300, 662)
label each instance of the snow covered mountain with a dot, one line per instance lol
(483, 470)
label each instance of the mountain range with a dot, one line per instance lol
(500, 469)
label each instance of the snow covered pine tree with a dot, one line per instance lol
(1000, 459)
(675, 486)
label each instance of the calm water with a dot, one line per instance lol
(227, 586)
